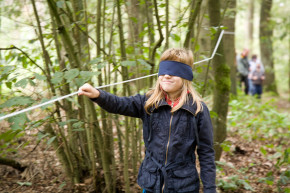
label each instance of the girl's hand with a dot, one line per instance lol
(89, 91)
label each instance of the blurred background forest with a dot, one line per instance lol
(51, 47)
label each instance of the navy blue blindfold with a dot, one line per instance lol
(174, 68)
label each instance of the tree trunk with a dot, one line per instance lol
(250, 24)
(266, 33)
(222, 83)
(158, 43)
(195, 8)
(229, 44)
(125, 92)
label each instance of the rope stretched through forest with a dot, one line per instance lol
(108, 85)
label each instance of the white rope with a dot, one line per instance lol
(113, 84)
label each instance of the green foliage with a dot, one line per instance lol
(24, 183)
(232, 183)
(8, 141)
(254, 120)
(17, 101)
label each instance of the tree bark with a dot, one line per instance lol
(195, 8)
(13, 163)
(250, 24)
(222, 83)
(266, 45)
(229, 44)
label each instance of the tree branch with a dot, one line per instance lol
(13, 163)
(25, 54)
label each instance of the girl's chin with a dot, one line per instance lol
(168, 90)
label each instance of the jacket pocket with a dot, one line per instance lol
(147, 176)
(184, 178)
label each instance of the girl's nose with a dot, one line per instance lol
(167, 76)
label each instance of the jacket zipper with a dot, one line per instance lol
(168, 144)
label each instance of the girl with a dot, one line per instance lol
(175, 123)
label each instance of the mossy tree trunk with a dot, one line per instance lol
(229, 44)
(266, 45)
(222, 82)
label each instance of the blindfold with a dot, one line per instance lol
(174, 68)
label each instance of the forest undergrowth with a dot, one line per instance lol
(256, 151)
(255, 157)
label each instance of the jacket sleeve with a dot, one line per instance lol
(132, 106)
(205, 151)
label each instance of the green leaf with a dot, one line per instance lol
(128, 63)
(145, 64)
(39, 76)
(51, 140)
(86, 74)
(71, 74)
(101, 65)
(175, 37)
(80, 129)
(8, 84)
(62, 185)
(264, 152)
(60, 4)
(63, 123)
(213, 114)
(8, 135)
(22, 83)
(134, 19)
(42, 135)
(43, 100)
(95, 61)
(24, 183)
(78, 124)
(57, 78)
(7, 69)
(18, 121)
(16, 101)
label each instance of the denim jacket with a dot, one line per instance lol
(170, 140)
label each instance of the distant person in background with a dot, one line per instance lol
(253, 62)
(257, 77)
(243, 69)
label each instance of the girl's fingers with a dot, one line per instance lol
(88, 91)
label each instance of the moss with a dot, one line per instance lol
(222, 78)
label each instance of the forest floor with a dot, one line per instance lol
(243, 161)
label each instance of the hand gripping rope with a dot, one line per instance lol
(108, 85)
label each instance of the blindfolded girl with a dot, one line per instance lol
(176, 123)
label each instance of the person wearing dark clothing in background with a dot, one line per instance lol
(243, 69)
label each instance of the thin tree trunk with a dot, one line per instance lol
(195, 9)
(70, 149)
(65, 37)
(266, 34)
(166, 24)
(158, 43)
(229, 44)
(250, 24)
(125, 88)
(222, 83)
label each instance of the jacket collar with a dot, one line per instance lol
(187, 106)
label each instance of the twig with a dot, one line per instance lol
(25, 54)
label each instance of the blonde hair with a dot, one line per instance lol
(156, 94)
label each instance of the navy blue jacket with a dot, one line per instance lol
(170, 140)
